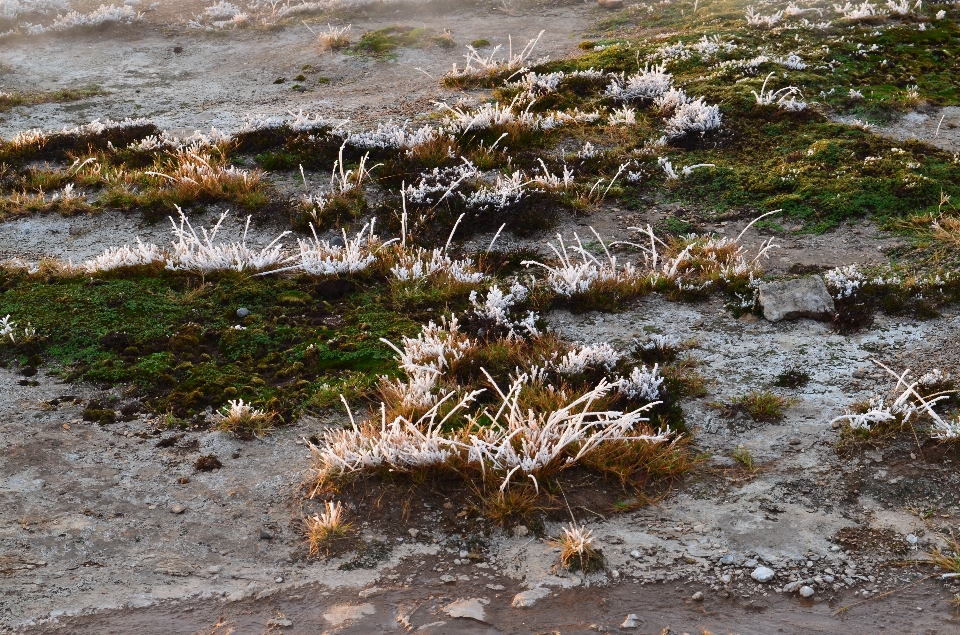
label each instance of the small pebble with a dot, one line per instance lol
(177, 509)
(697, 597)
(806, 591)
(243, 312)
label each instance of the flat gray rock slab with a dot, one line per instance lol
(470, 608)
(791, 299)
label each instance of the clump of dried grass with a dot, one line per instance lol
(325, 526)
(244, 421)
(577, 552)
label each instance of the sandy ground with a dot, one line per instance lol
(110, 529)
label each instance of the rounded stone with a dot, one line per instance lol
(806, 591)
(762, 574)
(243, 312)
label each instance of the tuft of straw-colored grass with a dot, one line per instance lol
(577, 552)
(325, 526)
(245, 421)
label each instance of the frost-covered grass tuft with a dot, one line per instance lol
(329, 258)
(480, 67)
(641, 384)
(648, 84)
(328, 524)
(493, 443)
(761, 21)
(243, 420)
(126, 256)
(863, 12)
(785, 98)
(910, 400)
(577, 551)
(578, 272)
(202, 253)
(693, 117)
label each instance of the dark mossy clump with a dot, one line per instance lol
(794, 377)
(98, 414)
(207, 463)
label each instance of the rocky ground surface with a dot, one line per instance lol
(113, 528)
(118, 516)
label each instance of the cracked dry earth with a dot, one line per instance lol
(111, 529)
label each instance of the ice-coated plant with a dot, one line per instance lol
(844, 282)
(202, 253)
(503, 193)
(534, 85)
(549, 181)
(243, 420)
(479, 66)
(648, 84)
(392, 136)
(762, 21)
(195, 167)
(907, 404)
(102, 15)
(534, 443)
(902, 7)
(126, 256)
(860, 12)
(704, 259)
(419, 264)
(693, 117)
(7, 327)
(792, 61)
(400, 444)
(661, 343)
(327, 258)
(434, 186)
(669, 101)
(334, 38)
(28, 138)
(785, 98)
(589, 357)
(437, 346)
(488, 115)
(13, 9)
(572, 276)
(622, 116)
(496, 305)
